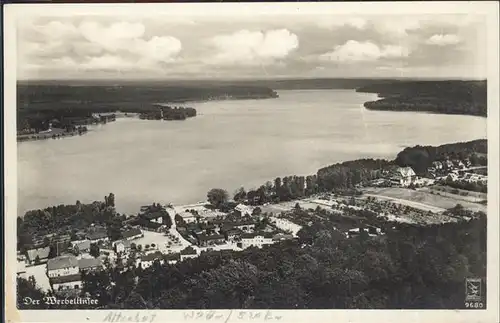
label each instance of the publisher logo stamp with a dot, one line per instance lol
(473, 290)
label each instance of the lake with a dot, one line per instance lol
(228, 145)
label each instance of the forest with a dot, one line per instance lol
(39, 103)
(447, 97)
(421, 157)
(409, 267)
(168, 113)
(34, 228)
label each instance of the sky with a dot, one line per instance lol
(229, 47)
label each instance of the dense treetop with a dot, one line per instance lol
(449, 97)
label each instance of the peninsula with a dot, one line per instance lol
(47, 110)
(446, 97)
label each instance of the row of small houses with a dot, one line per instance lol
(405, 176)
(247, 240)
(40, 254)
(219, 231)
(450, 165)
(93, 235)
(194, 216)
(65, 272)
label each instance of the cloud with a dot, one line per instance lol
(144, 46)
(53, 31)
(354, 51)
(97, 33)
(253, 47)
(127, 37)
(336, 22)
(92, 45)
(159, 49)
(443, 40)
(107, 62)
(398, 27)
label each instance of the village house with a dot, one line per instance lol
(82, 246)
(122, 246)
(64, 273)
(448, 164)
(233, 234)
(244, 225)
(65, 283)
(256, 240)
(97, 235)
(187, 253)
(209, 228)
(62, 266)
(403, 176)
(89, 264)
(172, 258)
(155, 217)
(458, 164)
(437, 165)
(62, 238)
(285, 225)
(132, 234)
(147, 261)
(205, 240)
(244, 210)
(38, 255)
(188, 217)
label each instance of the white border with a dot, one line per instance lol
(13, 12)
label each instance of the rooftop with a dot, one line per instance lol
(97, 235)
(131, 233)
(256, 234)
(62, 262)
(65, 279)
(82, 245)
(85, 263)
(42, 253)
(152, 256)
(155, 215)
(204, 237)
(233, 231)
(125, 243)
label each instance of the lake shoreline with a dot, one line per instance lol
(242, 142)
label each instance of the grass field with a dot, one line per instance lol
(463, 195)
(424, 199)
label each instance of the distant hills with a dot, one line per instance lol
(275, 84)
(40, 100)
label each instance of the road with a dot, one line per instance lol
(173, 229)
